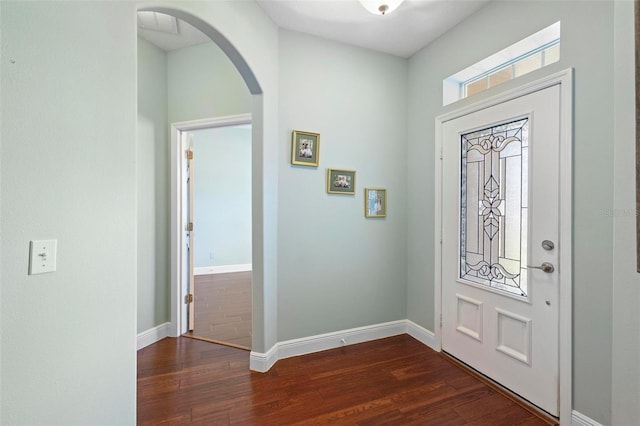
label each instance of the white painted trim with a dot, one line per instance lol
(579, 419)
(322, 342)
(178, 214)
(222, 269)
(175, 262)
(565, 263)
(565, 80)
(262, 362)
(421, 334)
(210, 123)
(153, 335)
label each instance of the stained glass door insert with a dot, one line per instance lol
(493, 207)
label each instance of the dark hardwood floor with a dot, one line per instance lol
(393, 381)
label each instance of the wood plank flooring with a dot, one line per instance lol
(223, 308)
(393, 381)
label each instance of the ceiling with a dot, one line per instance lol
(403, 32)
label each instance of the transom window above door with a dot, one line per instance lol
(529, 54)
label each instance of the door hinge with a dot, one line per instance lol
(188, 298)
(189, 226)
(189, 154)
(440, 320)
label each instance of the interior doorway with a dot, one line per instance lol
(218, 231)
(215, 219)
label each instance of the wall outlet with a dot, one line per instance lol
(42, 256)
(210, 255)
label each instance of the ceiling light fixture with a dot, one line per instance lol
(380, 7)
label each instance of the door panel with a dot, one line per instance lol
(500, 186)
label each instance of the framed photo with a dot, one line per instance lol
(305, 148)
(341, 181)
(375, 202)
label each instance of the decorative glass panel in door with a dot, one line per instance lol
(493, 207)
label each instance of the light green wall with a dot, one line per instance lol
(338, 270)
(222, 167)
(203, 83)
(68, 172)
(587, 46)
(153, 188)
(626, 281)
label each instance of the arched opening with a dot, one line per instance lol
(175, 258)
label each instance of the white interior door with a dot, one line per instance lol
(500, 213)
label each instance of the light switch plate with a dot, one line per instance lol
(42, 256)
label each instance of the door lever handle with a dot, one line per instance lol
(546, 267)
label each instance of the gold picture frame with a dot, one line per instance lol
(305, 148)
(375, 202)
(341, 181)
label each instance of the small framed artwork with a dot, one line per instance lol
(341, 181)
(375, 202)
(305, 148)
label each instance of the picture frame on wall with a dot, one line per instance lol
(341, 181)
(375, 202)
(305, 148)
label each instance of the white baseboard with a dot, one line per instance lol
(262, 362)
(153, 335)
(579, 419)
(322, 342)
(421, 334)
(222, 269)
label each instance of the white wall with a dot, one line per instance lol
(68, 172)
(222, 167)
(338, 270)
(626, 281)
(587, 45)
(153, 188)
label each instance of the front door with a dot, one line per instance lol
(500, 251)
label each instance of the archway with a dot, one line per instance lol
(259, 311)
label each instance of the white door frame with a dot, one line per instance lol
(565, 80)
(179, 218)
